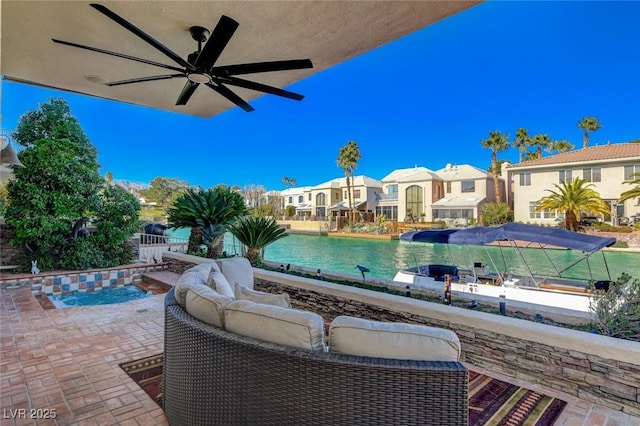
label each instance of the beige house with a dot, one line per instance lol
(607, 167)
(330, 199)
(455, 193)
(300, 198)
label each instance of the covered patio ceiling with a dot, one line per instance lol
(326, 32)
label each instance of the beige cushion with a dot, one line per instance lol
(240, 292)
(219, 283)
(237, 269)
(205, 304)
(194, 276)
(355, 336)
(284, 326)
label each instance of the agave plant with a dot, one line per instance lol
(255, 233)
(207, 213)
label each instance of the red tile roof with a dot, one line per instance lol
(593, 153)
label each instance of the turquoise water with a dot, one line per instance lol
(385, 257)
(106, 296)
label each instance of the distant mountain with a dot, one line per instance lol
(131, 186)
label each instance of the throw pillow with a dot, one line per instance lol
(194, 276)
(237, 269)
(219, 283)
(356, 336)
(240, 292)
(207, 305)
(284, 326)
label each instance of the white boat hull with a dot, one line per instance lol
(530, 295)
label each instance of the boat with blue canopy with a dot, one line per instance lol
(497, 280)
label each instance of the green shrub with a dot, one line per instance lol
(617, 311)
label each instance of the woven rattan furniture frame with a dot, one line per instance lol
(212, 377)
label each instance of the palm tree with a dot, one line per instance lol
(496, 142)
(289, 181)
(633, 192)
(348, 161)
(530, 155)
(560, 146)
(540, 141)
(255, 233)
(572, 199)
(207, 213)
(521, 141)
(588, 124)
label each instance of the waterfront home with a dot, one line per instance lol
(607, 167)
(331, 199)
(299, 198)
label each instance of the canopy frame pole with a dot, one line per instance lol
(526, 265)
(495, 268)
(606, 265)
(542, 247)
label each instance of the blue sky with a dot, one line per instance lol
(426, 99)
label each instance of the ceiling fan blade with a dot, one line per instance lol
(144, 36)
(187, 91)
(143, 79)
(218, 40)
(235, 81)
(227, 93)
(294, 64)
(119, 55)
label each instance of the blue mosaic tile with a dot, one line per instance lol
(113, 281)
(57, 281)
(83, 278)
(120, 274)
(91, 284)
(66, 287)
(97, 277)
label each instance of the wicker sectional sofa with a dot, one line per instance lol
(215, 377)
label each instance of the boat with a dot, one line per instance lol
(499, 282)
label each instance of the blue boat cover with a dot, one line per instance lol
(480, 236)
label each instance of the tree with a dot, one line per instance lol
(530, 155)
(207, 213)
(289, 181)
(539, 142)
(633, 192)
(496, 214)
(521, 141)
(572, 199)
(58, 187)
(256, 233)
(560, 146)
(588, 124)
(164, 191)
(496, 142)
(348, 160)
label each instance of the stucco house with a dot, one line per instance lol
(330, 199)
(607, 167)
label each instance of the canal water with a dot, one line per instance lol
(384, 258)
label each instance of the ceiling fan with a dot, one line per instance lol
(200, 66)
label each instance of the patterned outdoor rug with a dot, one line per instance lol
(491, 401)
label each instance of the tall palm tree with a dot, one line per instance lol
(540, 141)
(348, 160)
(572, 199)
(560, 146)
(496, 142)
(633, 192)
(289, 181)
(207, 213)
(588, 124)
(521, 141)
(256, 233)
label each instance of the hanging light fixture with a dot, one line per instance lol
(8, 156)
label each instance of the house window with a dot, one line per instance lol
(565, 176)
(525, 179)
(300, 198)
(390, 212)
(593, 174)
(468, 186)
(392, 189)
(346, 195)
(448, 187)
(533, 214)
(290, 200)
(309, 196)
(356, 193)
(321, 199)
(414, 201)
(629, 171)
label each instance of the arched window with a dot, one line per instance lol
(414, 201)
(321, 199)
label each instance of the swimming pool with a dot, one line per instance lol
(106, 296)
